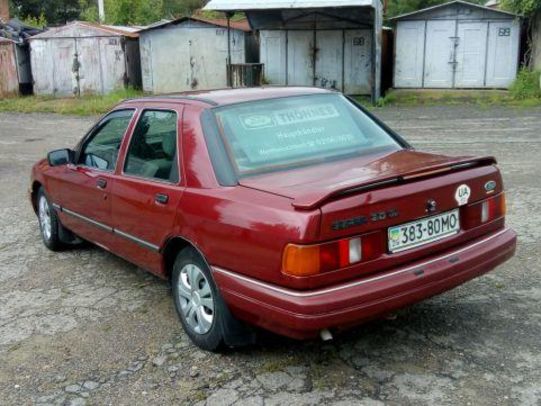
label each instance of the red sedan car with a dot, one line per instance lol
(292, 209)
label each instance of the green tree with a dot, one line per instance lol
(527, 8)
(138, 12)
(53, 11)
(178, 8)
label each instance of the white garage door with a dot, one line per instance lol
(273, 56)
(410, 48)
(439, 58)
(470, 55)
(502, 55)
(300, 69)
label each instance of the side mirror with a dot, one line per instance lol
(60, 157)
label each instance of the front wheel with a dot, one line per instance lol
(48, 223)
(200, 307)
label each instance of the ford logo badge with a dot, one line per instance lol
(490, 186)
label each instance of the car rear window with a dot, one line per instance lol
(288, 132)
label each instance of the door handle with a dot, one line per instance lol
(161, 198)
(101, 183)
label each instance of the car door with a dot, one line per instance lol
(83, 189)
(148, 187)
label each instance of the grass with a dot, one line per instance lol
(425, 97)
(525, 92)
(88, 105)
(527, 86)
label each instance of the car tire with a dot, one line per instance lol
(203, 313)
(49, 224)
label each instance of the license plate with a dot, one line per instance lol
(420, 232)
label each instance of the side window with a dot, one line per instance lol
(101, 149)
(153, 148)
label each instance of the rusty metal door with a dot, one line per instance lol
(357, 61)
(89, 65)
(329, 58)
(113, 64)
(64, 78)
(9, 82)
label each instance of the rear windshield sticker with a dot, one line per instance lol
(289, 117)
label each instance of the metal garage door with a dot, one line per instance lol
(348, 65)
(329, 59)
(62, 54)
(357, 61)
(410, 50)
(439, 54)
(300, 46)
(456, 54)
(471, 54)
(273, 56)
(502, 60)
(337, 59)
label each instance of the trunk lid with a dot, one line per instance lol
(312, 186)
(375, 192)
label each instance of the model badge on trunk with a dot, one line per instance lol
(362, 220)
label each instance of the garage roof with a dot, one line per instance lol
(85, 29)
(241, 25)
(465, 3)
(232, 5)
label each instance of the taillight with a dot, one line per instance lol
(307, 260)
(485, 211)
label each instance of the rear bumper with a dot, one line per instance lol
(302, 314)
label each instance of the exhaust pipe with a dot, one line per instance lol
(325, 335)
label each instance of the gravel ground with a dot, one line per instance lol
(84, 327)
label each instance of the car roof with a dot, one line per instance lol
(223, 97)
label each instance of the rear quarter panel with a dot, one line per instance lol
(236, 228)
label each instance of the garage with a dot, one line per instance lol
(333, 44)
(84, 58)
(457, 45)
(191, 53)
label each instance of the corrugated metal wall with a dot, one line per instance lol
(188, 56)
(458, 46)
(9, 80)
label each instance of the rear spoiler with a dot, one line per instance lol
(313, 200)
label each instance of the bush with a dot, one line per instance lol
(526, 85)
